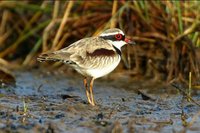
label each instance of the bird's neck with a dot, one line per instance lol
(117, 50)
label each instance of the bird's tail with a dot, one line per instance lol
(49, 57)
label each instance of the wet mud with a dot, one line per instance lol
(56, 102)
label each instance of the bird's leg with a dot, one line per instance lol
(87, 90)
(91, 92)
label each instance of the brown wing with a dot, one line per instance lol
(101, 52)
(80, 51)
(85, 45)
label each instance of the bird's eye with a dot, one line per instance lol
(118, 36)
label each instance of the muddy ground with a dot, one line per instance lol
(56, 102)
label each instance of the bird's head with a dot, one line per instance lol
(116, 37)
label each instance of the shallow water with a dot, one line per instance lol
(56, 102)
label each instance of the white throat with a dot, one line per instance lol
(117, 44)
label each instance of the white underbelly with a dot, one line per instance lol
(100, 72)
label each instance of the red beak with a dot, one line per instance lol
(128, 41)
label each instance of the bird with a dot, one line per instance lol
(92, 57)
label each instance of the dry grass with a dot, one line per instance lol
(167, 32)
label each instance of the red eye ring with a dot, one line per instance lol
(118, 36)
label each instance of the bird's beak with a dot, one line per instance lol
(128, 41)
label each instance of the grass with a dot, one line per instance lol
(167, 32)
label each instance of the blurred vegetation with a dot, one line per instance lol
(167, 33)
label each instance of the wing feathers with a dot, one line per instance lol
(80, 51)
(101, 52)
